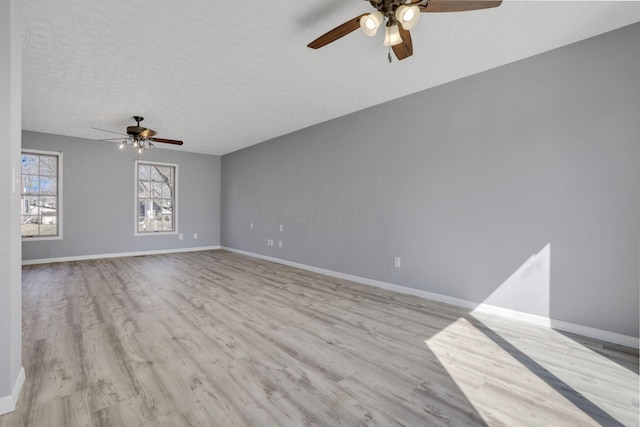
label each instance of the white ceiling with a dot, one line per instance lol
(225, 74)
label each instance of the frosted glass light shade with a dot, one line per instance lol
(392, 36)
(371, 22)
(407, 16)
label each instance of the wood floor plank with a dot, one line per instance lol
(214, 338)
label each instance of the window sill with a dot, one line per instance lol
(40, 238)
(155, 233)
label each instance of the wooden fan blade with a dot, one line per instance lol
(147, 133)
(110, 131)
(166, 141)
(112, 139)
(404, 49)
(459, 5)
(340, 31)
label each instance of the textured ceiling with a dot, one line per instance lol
(222, 75)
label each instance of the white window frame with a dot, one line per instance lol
(58, 154)
(135, 200)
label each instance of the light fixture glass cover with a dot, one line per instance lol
(138, 145)
(407, 16)
(371, 22)
(392, 36)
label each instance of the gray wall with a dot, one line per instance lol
(10, 273)
(466, 182)
(98, 204)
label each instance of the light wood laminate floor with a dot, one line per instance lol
(219, 339)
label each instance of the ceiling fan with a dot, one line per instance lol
(401, 16)
(139, 138)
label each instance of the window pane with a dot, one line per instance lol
(166, 205)
(30, 164)
(143, 223)
(156, 189)
(30, 225)
(166, 191)
(24, 206)
(30, 219)
(167, 174)
(39, 203)
(48, 185)
(144, 173)
(143, 190)
(167, 222)
(31, 206)
(155, 174)
(29, 229)
(155, 198)
(48, 205)
(48, 218)
(30, 184)
(50, 229)
(48, 166)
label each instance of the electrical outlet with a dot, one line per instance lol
(195, 235)
(269, 242)
(281, 227)
(251, 225)
(396, 262)
(180, 236)
(280, 244)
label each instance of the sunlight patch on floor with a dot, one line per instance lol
(579, 367)
(502, 389)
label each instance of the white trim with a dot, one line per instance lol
(8, 403)
(521, 316)
(137, 233)
(117, 255)
(599, 334)
(59, 186)
(156, 233)
(475, 307)
(40, 238)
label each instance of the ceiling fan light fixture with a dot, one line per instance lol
(138, 138)
(407, 16)
(392, 35)
(371, 22)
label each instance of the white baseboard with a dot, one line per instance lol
(117, 255)
(594, 333)
(8, 403)
(475, 307)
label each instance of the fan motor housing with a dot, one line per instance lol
(140, 132)
(134, 130)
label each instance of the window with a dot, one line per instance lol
(41, 201)
(156, 198)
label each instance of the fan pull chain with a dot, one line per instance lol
(389, 55)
